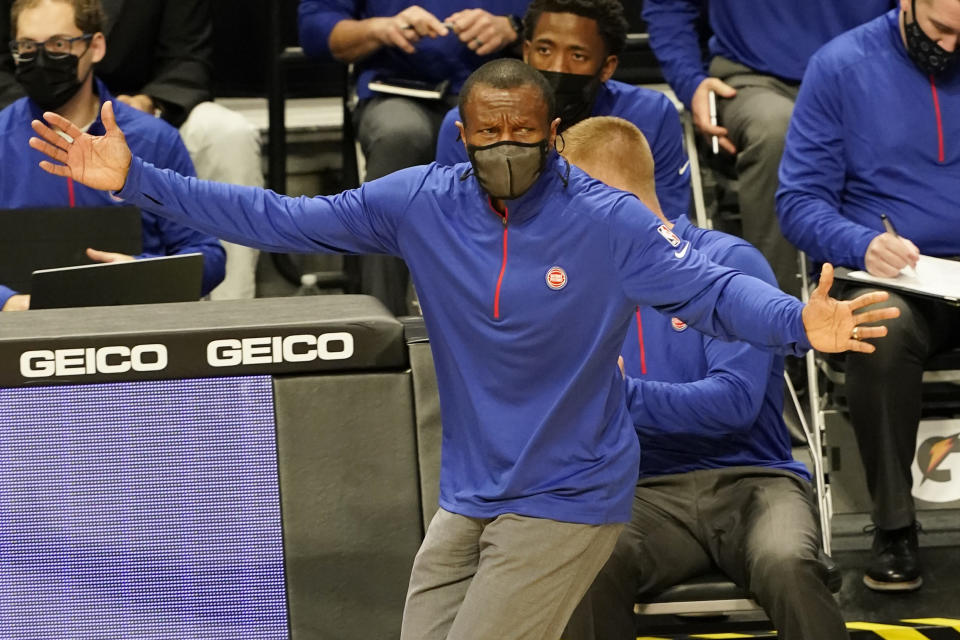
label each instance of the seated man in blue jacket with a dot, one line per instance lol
(55, 48)
(528, 270)
(718, 484)
(576, 44)
(431, 42)
(876, 131)
(759, 50)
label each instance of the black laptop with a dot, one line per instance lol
(32, 239)
(176, 278)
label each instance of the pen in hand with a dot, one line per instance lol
(712, 102)
(889, 228)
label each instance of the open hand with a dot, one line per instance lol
(99, 162)
(831, 324)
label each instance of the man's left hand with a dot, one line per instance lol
(482, 32)
(106, 256)
(139, 102)
(831, 324)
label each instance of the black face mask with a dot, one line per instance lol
(575, 94)
(930, 57)
(49, 82)
(506, 170)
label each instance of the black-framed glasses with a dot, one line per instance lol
(56, 47)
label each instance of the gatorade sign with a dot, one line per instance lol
(936, 463)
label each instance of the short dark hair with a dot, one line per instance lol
(608, 14)
(88, 14)
(507, 73)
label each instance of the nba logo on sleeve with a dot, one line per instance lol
(677, 324)
(669, 236)
(556, 278)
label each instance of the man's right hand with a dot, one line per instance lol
(18, 302)
(407, 27)
(887, 254)
(700, 108)
(99, 162)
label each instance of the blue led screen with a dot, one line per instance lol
(141, 510)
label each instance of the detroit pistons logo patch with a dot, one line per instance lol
(669, 236)
(677, 324)
(556, 278)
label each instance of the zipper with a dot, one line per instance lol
(643, 354)
(936, 108)
(70, 193)
(503, 264)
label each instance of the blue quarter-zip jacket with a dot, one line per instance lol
(871, 135)
(526, 314)
(435, 60)
(772, 37)
(699, 402)
(652, 113)
(24, 184)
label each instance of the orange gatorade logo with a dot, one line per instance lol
(931, 455)
(936, 466)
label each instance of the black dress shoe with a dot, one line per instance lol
(895, 565)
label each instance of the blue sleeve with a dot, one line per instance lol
(5, 294)
(450, 150)
(813, 173)
(176, 238)
(727, 400)
(673, 37)
(363, 220)
(316, 20)
(678, 281)
(671, 166)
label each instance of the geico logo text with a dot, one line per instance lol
(45, 363)
(231, 352)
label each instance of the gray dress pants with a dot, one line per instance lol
(395, 133)
(757, 119)
(884, 394)
(511, 577)
(755, 524)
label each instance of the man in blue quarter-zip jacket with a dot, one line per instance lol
(432, 42)
(60, 77)
(718, 484)
(576, 44)
(876, 132)
(528, 270)
(759, 50)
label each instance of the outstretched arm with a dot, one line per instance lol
(359, 221)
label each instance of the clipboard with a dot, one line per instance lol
(937, 278)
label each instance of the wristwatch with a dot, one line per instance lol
(516, 23)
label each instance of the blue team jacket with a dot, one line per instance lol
(435, 60)
(652, 113)
(773, 37)
(526, 314)
(24, 184)
(871, 134)
(699, 402)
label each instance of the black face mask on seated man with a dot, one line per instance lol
(507, 169)
(575, 94)
(930, 57)
(50, 82)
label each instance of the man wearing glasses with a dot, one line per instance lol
(56, 44)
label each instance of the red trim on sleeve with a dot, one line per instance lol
(643, 354)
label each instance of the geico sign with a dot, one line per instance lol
(84, 362)
(231, 352)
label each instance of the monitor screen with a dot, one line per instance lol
(141, 510)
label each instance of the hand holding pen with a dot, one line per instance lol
(704, 109)
(889, 253)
